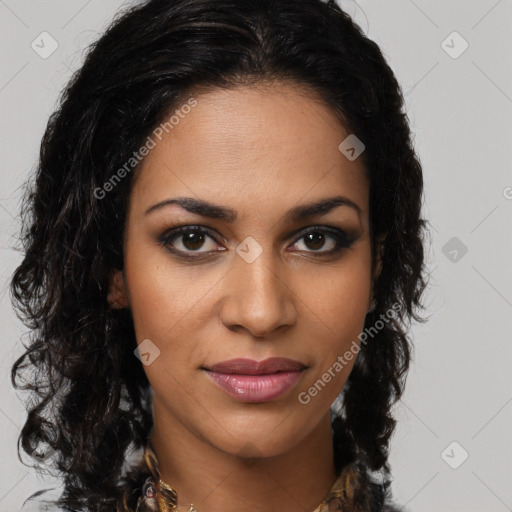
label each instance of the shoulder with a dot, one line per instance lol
(43, 500)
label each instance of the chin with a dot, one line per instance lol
(257, 446)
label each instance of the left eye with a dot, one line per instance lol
(315, 240)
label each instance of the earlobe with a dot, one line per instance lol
(117, 297)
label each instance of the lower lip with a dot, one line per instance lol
(255, 388)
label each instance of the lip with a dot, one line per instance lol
(251, 367)
(247, 380)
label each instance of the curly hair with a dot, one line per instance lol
(91, 400)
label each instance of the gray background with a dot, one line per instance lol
(459, 388)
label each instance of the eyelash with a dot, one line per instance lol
(341, 239)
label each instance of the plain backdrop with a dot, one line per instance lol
(452, 450)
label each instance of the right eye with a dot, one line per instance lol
(187, 240)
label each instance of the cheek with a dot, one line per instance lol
(337, 306)
(340, 294)
(170, 306)
(161, 293)
(161, 311)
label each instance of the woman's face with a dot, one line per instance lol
(249, 282)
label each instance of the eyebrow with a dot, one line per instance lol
(295, 214)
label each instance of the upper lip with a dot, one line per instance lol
(252, 367)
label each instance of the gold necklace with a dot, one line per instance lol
(167, 498)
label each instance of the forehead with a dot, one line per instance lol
(265, 143)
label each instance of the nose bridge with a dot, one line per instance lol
(257, 295)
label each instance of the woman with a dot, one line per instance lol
(223, 252)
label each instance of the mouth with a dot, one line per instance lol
(247, 380)
(251, 367)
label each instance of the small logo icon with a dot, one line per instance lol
(454, 455)
(454, 45)
(42, 455)
(249, 249)
(454, 249)
(507, 192)
(44, 45)
(147, 352)
(351, 147)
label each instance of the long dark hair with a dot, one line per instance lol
(90, 398)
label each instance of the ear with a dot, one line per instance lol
(376, 267)
(379, 251)
(117, 294)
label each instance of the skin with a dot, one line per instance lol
(259, 150)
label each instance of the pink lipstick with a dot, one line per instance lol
(247, 380)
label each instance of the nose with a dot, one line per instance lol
(258, 296)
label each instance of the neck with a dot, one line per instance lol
(214, 480)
